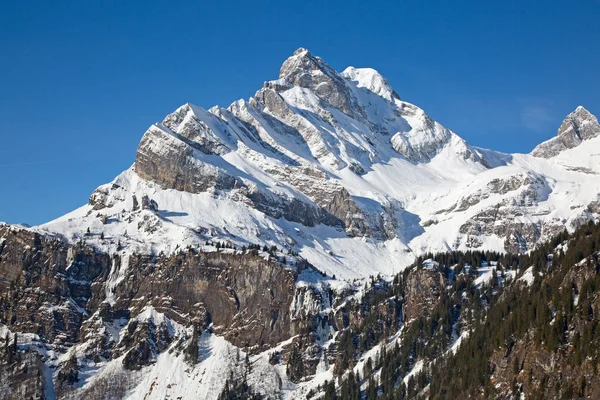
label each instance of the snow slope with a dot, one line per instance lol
(414, 186)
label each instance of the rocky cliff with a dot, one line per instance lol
(70, 311)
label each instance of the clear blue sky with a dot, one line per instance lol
(81, 81)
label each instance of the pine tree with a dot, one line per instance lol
(330, 393)
(371, 392)
(295, 364)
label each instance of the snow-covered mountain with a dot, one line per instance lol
(239, 244)
(335, 166)
(579, 126)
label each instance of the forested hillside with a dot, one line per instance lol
(516, 325)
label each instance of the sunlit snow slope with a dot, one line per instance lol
(338, 168)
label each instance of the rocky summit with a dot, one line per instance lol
(276, 244)
(579, 126)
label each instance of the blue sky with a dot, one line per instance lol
(81, 81)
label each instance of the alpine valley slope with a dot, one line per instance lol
(335, 166)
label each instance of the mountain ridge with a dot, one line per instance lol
(321, 150)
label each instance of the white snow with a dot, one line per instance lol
(414, 371)
(528, 276)
(485, 274)
(415, 200)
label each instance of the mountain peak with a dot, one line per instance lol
(301, 50)
(581, 124)
(578, 126)
(301, 60)
(337, 180)
(371, 80)
(310, 72)
(580, 114)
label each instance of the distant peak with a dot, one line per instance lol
(575, 122)
(302, 61)
(578, 126)
(301, 50)
(579, 114)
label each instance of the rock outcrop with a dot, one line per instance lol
(21, 374)
(166, 158)
(577, 127)
(423, 288)
(307, 71)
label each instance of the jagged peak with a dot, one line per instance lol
(578, 126)
(580, 114)
(301, 51)
(185, 111)
(579, 122)
(307, 71)
(302, 61)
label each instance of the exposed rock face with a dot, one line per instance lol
(577, 127)
(343, 207)
(63, 280)
(246, 298)
(519, 194)
(423, 287)
(529, 182)
(170, 160)
(165, 158)
(291, 209)
(70, 296)
(228, 290)
(143, 342)
(350, 316)
(188, 124)
(307, 71)
(594, 207)
(502, 221)
(21, 376)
